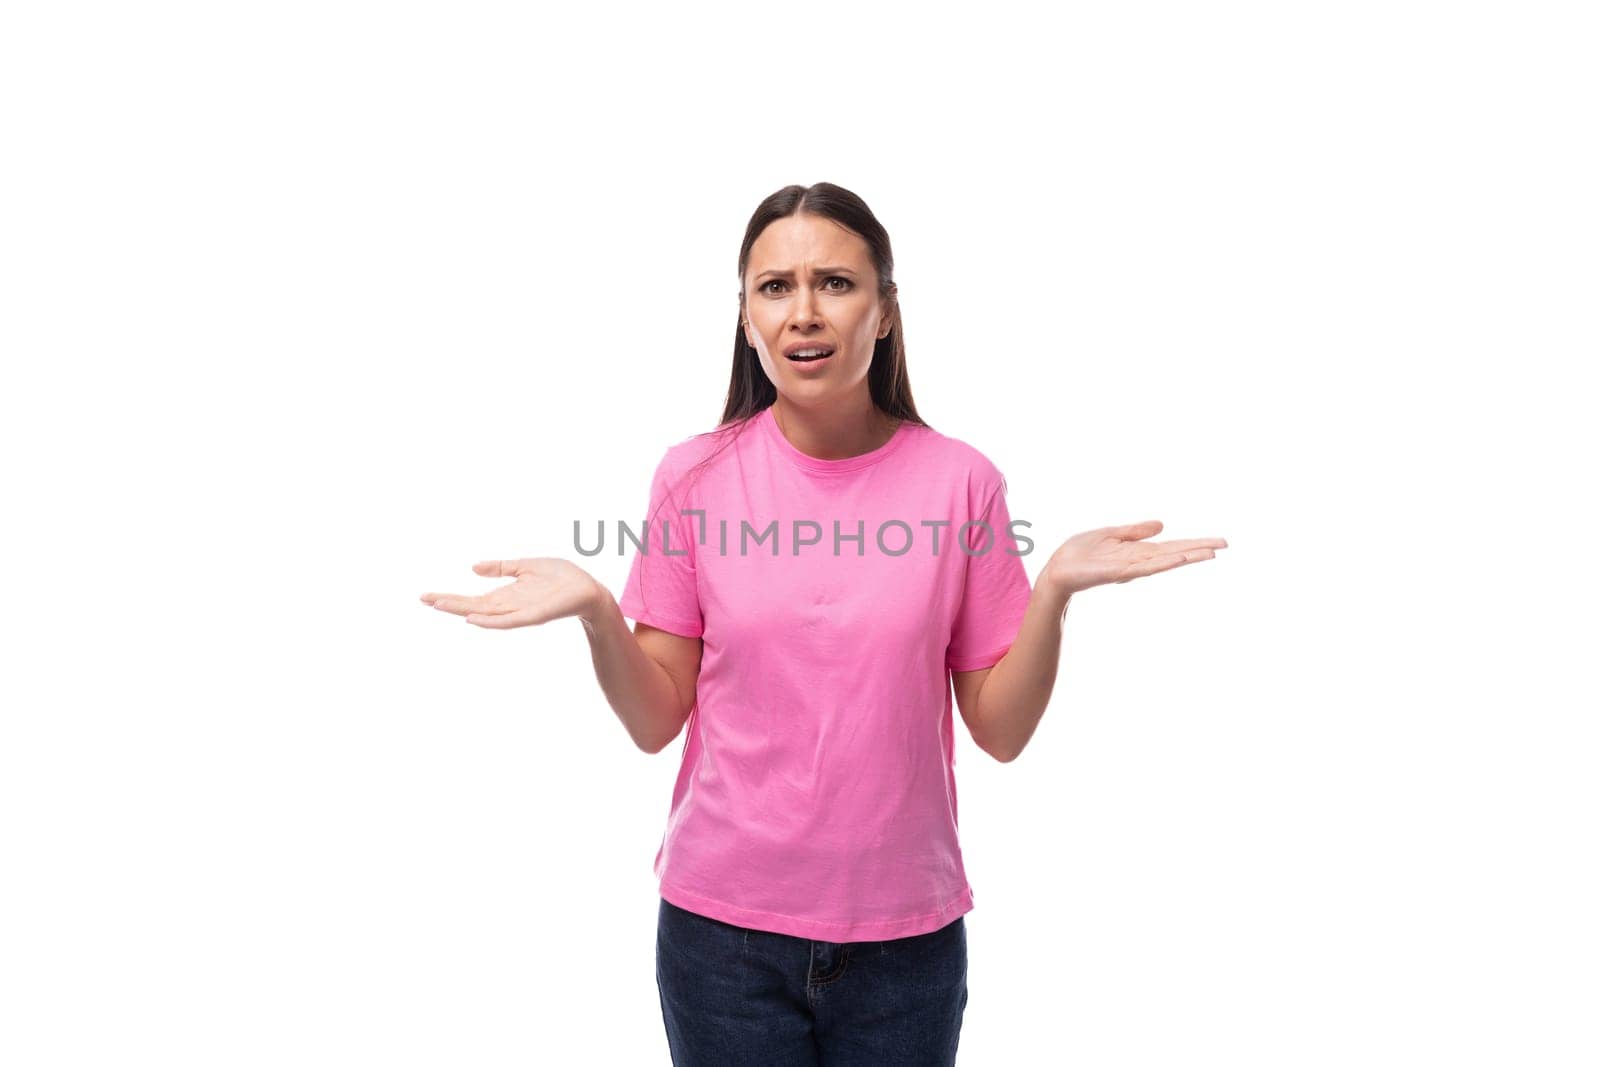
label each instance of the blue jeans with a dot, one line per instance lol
(732, 996)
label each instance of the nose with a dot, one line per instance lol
(805, 309)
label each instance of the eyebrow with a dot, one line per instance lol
(819, 270)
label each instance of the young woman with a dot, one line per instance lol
(816, 573)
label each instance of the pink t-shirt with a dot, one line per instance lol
(817, 793)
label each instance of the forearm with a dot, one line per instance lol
(1017, 689)
(641, 692)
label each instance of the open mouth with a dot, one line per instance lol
(811, 355)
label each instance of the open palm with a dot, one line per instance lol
(544, 589)
(1119, 554)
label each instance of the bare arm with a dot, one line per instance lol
(1003, 704)
(648, 675)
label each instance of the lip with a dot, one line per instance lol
(808, 366)
(790, 350)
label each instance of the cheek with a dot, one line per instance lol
(865, 329)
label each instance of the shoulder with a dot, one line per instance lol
(958, 459)
(685, 459)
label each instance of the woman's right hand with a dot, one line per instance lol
(544, 589)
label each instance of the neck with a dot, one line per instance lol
(835, 431)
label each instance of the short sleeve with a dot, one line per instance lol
(994, 596)
(661, 589)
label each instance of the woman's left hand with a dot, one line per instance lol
(1118, 554)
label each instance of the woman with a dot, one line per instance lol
(815, 573)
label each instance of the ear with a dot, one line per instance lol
(890, 314)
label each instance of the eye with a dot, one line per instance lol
(844, 286)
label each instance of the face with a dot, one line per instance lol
(810, 283)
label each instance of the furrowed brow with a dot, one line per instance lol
(819, 270)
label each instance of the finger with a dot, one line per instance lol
(1191, 543)
(1157, 564)
(491, 568)
(502, 622)
(1147, 528)
(462, 605)
(499, 568)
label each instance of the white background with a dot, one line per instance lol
(307, 307)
